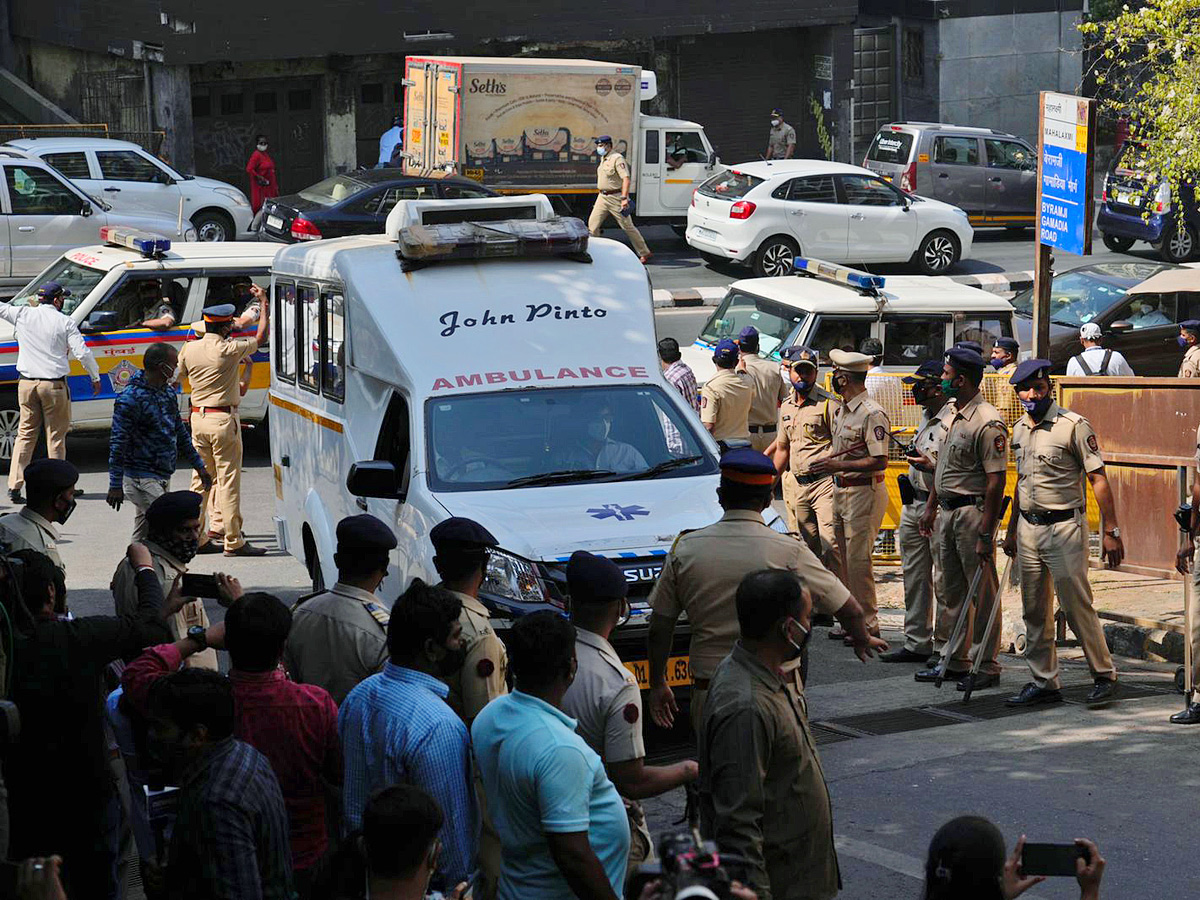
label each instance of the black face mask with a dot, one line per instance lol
(183, 549)
(797, 646)
(66, 513)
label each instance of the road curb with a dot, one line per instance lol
(997, 282)
(1139, 642)
(684, 297)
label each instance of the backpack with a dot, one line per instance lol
(1103, 364)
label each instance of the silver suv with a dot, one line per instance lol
(989, 174)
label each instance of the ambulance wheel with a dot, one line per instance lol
(10, 416)
(1180, 680)
(211, 225)
(1019, 643)
(1117, 244)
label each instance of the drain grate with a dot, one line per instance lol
(893, 721)
(1128, 690)
(823, 734)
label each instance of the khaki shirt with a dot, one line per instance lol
(211, 365)
(928, 441)
(860, 429)
(612, 172)
(725, 401)
(484, 674)
(769, 390)
(703, 570)
(1052, 457)
(778, 139)
(166, 568)
(605, 700)
(975, 445)
(1190, 367)
(807, 427)
(1006, 371)
(762, 792)
(335, 642)
(26, 530)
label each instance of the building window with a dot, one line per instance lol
(232, 104)
(201, 106)
(266, 102)
(300, 100)
(914, 55)
(371, 93)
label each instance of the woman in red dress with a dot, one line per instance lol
(261, 169)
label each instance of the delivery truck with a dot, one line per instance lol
(530, 125)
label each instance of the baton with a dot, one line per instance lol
(1188, 687)
(969, 684)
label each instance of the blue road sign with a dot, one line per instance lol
(1063, 214)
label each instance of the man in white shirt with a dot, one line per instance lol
(388, 141)
(45, 340)
(596, 450)
(1095, 360)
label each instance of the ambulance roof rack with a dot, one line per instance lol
(430, 231)
(151, 246)
(868, 284)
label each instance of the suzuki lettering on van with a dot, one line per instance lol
(643, 574)
(517, 376)
(453, 320)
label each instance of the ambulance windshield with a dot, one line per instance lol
(71, 274)
(552, 436)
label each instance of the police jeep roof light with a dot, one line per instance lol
(149, 245)
(818, 268)
(511, 238)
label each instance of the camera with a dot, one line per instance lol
(692, 868)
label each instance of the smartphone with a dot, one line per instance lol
(1052, 859)
(200, 586)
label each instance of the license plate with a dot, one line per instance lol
(707, 233)
(1127, 199)
(275, 222)
(677, 672)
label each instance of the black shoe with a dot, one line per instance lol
(247, 550)
(14, 496)
(902, 655)
(931, 675)
(934, 661)
(1190, 716)
(210, 547)
(1031, 695)
(836, 633)
(982, 680)
(1105, 690)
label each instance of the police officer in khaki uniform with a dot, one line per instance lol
(173, 534)
(1188, 562)
(924, 629)
(857, 462)
(605, 699)
(769, 390)
(702, 573)
(50, 486)
(781, 141)
(461, 547)
(1004, 356)
(966, 495)
(212, 366)
(725, 398)
(1189, 339)
(1055, 448)
(339, 636)
(612, 196)
(805, 434)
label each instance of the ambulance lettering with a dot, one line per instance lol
(516, 376)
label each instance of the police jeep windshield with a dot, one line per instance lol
(74, 276)
(774, 321)
(549, 436)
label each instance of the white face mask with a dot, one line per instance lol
(600, 151)
(775, 122)
(262, 146)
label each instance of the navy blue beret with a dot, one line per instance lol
(1031, 368)
(1009, 344)
(930, 370)
(52, 474)
(172, 508)
(364, 532)
(964, 358)
(726, 352)
(594, 579)
(747, 466)
(970, 345)
(464, 532)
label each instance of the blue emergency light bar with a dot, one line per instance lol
(820, 269)
(149, 245)
(511, 238)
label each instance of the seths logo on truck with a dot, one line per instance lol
(490, 86)
(618, 512)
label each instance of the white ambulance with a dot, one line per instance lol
(502, 368)
(106, 282)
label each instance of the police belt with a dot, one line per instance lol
(762, 429)
(958, 501)
(922, 496)
(1048, 516)
(811, 479)
(845, 481)
(607, 193)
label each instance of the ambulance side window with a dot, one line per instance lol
(394, 441)
(308, 337)
(285, 331)
(333, 348)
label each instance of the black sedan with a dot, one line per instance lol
(355, 203)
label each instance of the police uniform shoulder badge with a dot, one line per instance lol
(631, 713)
(999, 443)
(1093, 444)
(880, 433)
(484, 668)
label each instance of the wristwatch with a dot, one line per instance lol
(1114, 533)
(199, 634)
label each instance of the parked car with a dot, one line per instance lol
(766, 214)
(1137, 206)
(129, 177)
(1143, 326)
(990, 174)
(356, 203)
(46, 215)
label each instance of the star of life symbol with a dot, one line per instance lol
(618, 512)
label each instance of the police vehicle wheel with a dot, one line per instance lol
(10, 416)
(213, 226)
(937, 253)
(1178, 244)
(1117, 244)
(1180, 681)
(776, 256)
(1019, 643)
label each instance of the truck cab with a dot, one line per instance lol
(675, 159)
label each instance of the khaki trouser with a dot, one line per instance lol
(857, 514)
(610, 205)
(217, 437)
(958, 531)
(810, 513)
(141, 492)
(925, 630)
(1195, 636)
(1057, 556)
(641, 844)
(43, 404)
(761, 441)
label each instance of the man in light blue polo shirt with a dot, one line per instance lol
(562, 824)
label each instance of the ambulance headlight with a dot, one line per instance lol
(513, 578)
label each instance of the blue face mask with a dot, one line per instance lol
(1037, 408)
(802, 387)
(1182, 342)
(998, 364)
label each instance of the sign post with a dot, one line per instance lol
(1066, 156)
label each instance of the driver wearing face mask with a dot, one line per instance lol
(50, 491)
(598, 451)
(148, 436)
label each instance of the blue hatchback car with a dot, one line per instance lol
(1138, 206)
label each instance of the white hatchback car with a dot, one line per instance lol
(129, 177)
(766, 214)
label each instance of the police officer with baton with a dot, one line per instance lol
(1187, 564)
